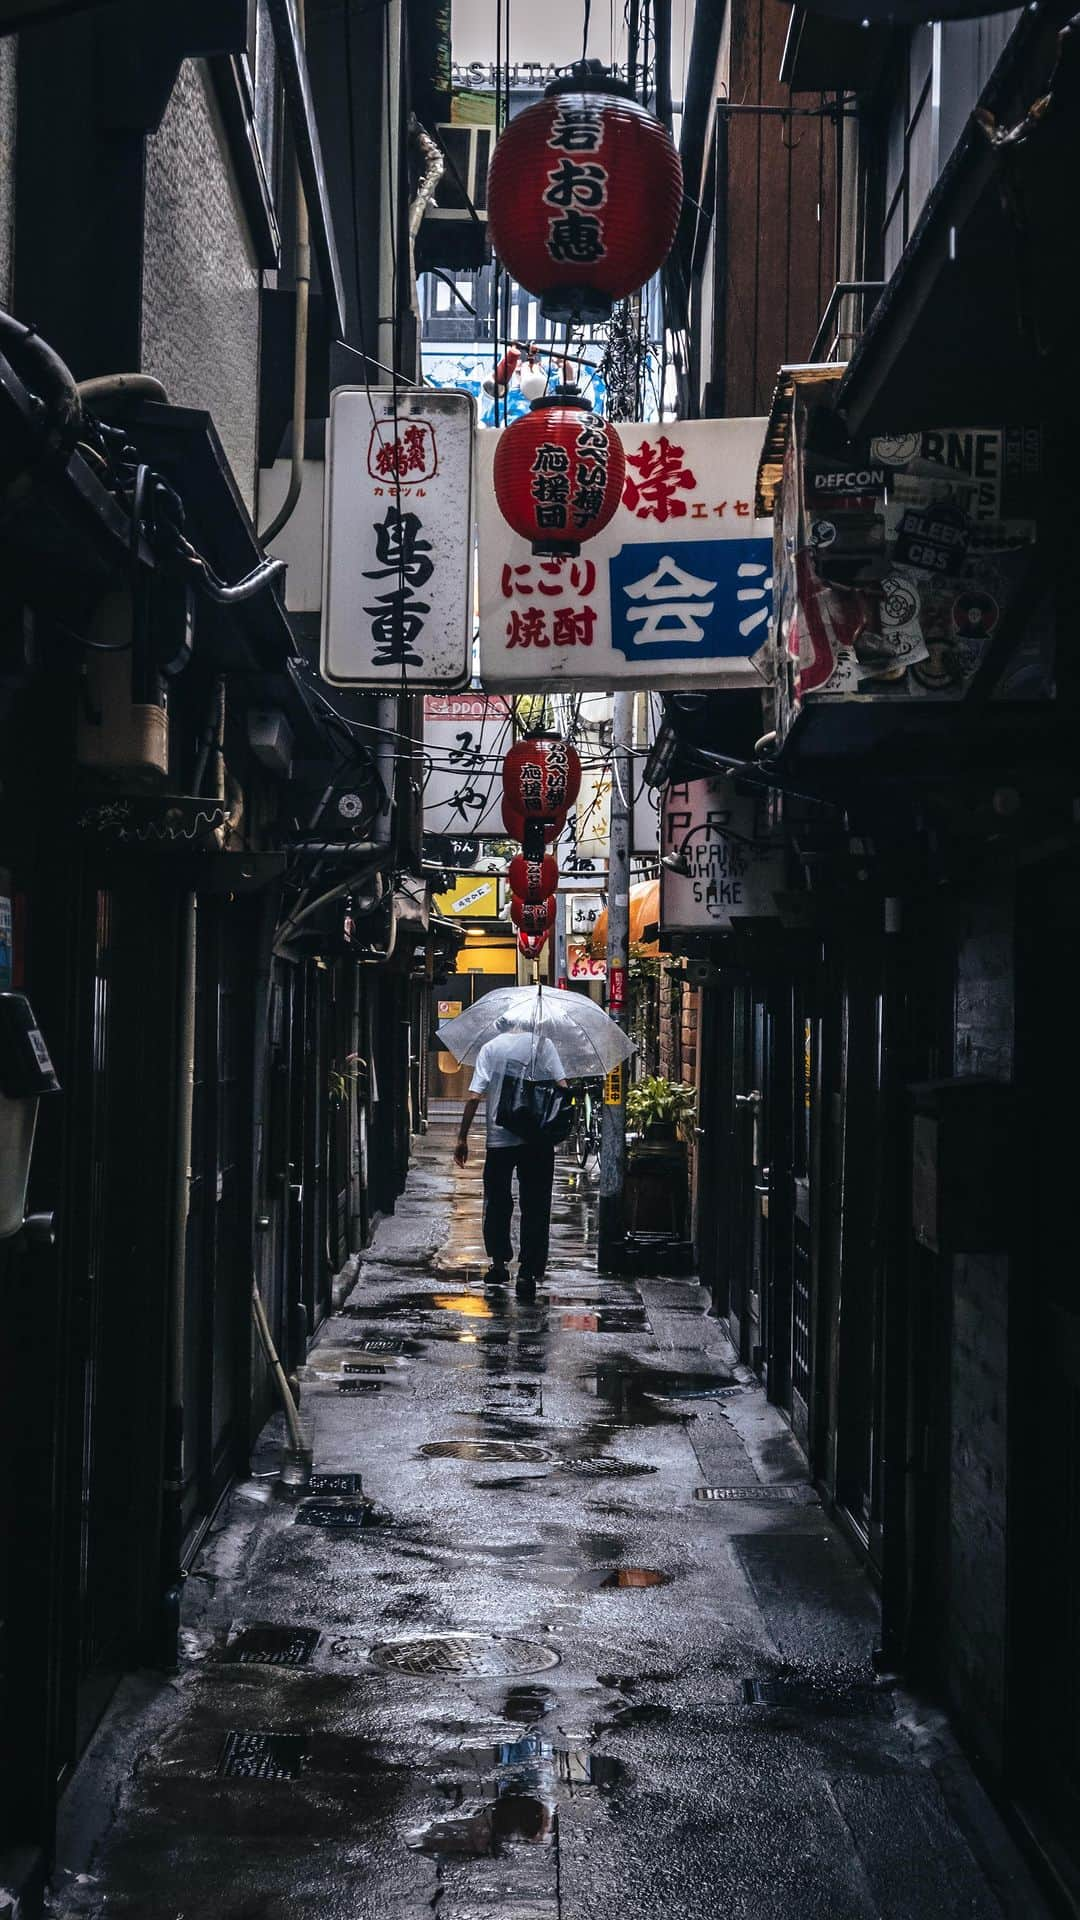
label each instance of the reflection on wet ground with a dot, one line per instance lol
(510, 1698)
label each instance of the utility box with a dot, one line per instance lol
(964, 1171)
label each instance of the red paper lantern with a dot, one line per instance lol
(584, 195)
(532, 880)
(559, 473)
(536, 832)
(533, 916)
(541, 780)
(531, 945)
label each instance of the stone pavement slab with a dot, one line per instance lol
(539, 1679)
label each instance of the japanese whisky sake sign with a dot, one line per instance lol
(397, 546)
(733, 870)
(677, 588)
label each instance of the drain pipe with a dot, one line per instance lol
(302, 276)
(173, 1487)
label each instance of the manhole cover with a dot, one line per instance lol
(262, 1756)
(266, 1646)
(489, 1655)
(336, 1483)
(359, 1386)
(341, 1516)
(798, 1494)
(606, 1469)
(513, 1450)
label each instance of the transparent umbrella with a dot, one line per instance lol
(551, 1021)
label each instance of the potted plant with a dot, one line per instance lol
(661, 1110)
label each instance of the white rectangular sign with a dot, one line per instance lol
(397, 544)
(734, 872)
(584, 912)
(677, 588)
(466, 736)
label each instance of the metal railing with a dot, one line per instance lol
(863, 294)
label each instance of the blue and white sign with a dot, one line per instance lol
(677, 589)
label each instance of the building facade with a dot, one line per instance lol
(210, 865)
(882, 1203)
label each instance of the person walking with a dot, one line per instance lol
(532, 1160)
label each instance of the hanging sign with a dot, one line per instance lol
(397, 542)
(470, 898)
(465, 737)
(583, 912)
(734, 871)
(676, 588)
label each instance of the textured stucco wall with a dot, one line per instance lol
(8, 55)
(200, 324)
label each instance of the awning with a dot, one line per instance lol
(771, 465)
(644, 920)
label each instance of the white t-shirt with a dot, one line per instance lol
(491, 1062)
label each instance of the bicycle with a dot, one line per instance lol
(588, 1108)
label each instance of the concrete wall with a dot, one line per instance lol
(200, 322)
(984, 1024)
(8, 57)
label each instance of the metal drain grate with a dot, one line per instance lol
(386, 1345)
(798, 1495)
(341, 1516)
(262, 1756)
(513, 1450)
(358, 1366)
(487, 1655)
(606, 1469)
(267, 1646)
(359, 1386)
(350, 1484)
(817, 1696)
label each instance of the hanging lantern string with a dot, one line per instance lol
(585, 31)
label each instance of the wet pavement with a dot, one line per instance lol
(560, 1632)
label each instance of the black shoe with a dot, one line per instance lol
(526, 1286)
(497, 1277)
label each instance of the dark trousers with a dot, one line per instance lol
(535, 1169)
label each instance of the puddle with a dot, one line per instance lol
(638, 1392)
(606, 1320)
(486, 1831)
(526, 1704)
(473, 1306)
(607, 1579)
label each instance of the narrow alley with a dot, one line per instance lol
(558, 1629)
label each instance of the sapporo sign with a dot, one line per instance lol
(735, 872)
(465, 738)
(397, 542)
(677, 588)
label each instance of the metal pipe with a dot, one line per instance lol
(173, 1484)
(120, 386)
(300, 349)
(613, 1119)
(50, 377)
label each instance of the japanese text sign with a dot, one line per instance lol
(469, 899)
(676, 588)
(465, 738)
(734, 872)
(397, 539)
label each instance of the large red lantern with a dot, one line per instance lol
(531, 833)
(532, 879)
(584, 195)
(541, 778)
(533, 916)
(559, 473)
(531, 945)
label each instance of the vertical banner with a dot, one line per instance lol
(397, 543)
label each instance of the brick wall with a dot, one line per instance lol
(984, 1029)
(200, 323)
(8, 55)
